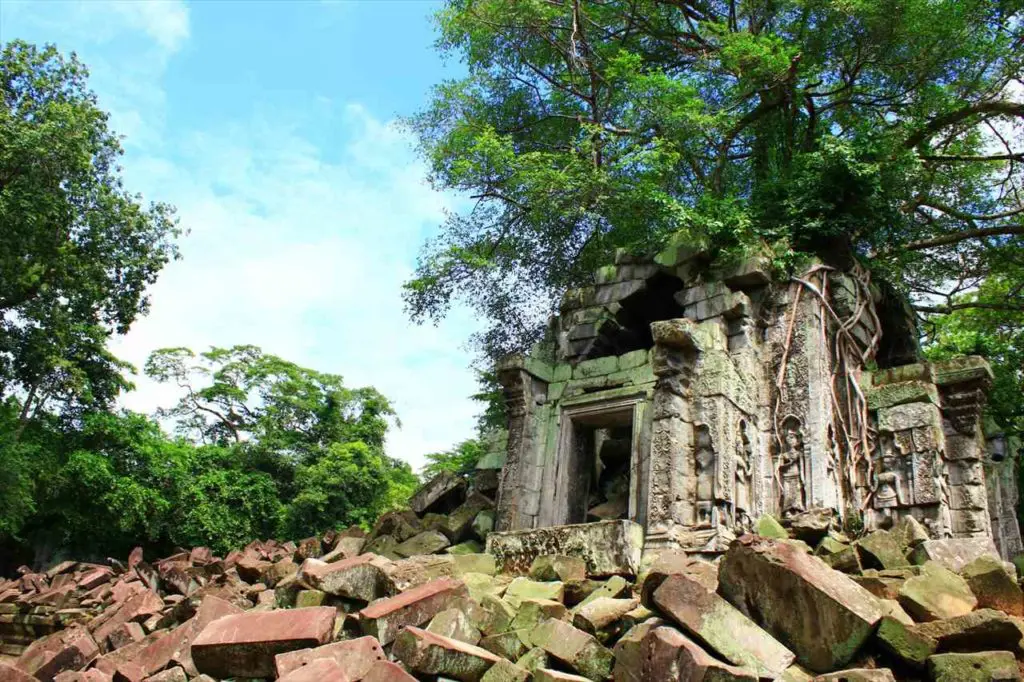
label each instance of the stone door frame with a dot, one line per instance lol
(579, 413)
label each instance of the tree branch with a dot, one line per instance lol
(953, 117)
(956, 237)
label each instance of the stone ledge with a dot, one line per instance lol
(608, 547)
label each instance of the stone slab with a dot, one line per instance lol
(607, 547)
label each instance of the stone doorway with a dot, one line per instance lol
(598, 462)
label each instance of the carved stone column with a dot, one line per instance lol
(519, 488)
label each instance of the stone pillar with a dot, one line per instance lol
(963, 384)
(1001, 481)
(524, 383)
(671, 484)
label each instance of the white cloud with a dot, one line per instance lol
(166, 21)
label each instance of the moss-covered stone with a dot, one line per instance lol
(307, 598)
(904, 642)
(902, 393)
(936, 594)
(768, 527)
(993, 585)
(596, 367)
(985, 666)
(881, 549)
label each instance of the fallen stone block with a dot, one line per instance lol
(8, 673)
(676, 562)
(129, 672)
(721, 626)
(430, 654)
(505, 671)
(936, 594)
(880, 549)
(628, 652)
(70, 649)
(386, 671)
(981, 630)
(558, 567)
(670, 656)
(602, 614)
(320, 670)
(441, 494)
(993, 585)
(858, 675)
(547, 675)
(136, 607)
(983, 666)
(355, 656)
(812, 525)
(533, 612)
(245, 645)
(905, 642)
(175, 674)
(427, 542)
(418, 570)
(521, 589)
(768, 527)
(839, 555)
(819, 614)
(497, 615)
(575, 648)
(607, 547)
(454, 624)
(362, 577)
(475, 563)
(384, 619)
(953, 553)
(616, 586)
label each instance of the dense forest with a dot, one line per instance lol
(884, 135)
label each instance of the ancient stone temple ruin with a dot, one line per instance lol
(692, 397)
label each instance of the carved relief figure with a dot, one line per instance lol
(744, 476)
(944, 525)
(885, 492)
(790, 468)
(704, 455)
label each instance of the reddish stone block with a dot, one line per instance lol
(362, 577)
(136, 607)
(320, 670)
(385, 618)
(94, 578)
(70, 649)
(126, 633)
(176, 645)
(9, 673)
(245, 645)
(129, 672)
(355, 656)
(430, 654)
(386, 671)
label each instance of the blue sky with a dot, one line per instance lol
(271, 126)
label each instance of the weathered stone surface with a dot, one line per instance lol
(984, 666)
(573, 647)
(430, 654)
(427, 542)
(443, 493)
(616, 586)
(177, 674)
(935, 594)
(524, 588)
(607, 547)
(558, 567)
(362, 577)
(676, 562)
(386, 671)
(510, 645)
(474, 563)
(819, 614)
(629, 654)
(385, 618)
(419, 570)
(858, 675)
(8, 673)
(839, 555)
(320, 670)
(812, 525)
(245, 645)
(532, 612)
(505, 671)
(976, 631)
(721, 626)
(904, 642)
(993, 585)
(355, 656)
(70, 649)
(768, 527)
(454, 624)
(595, 616)
(548, 675)
(881, 549)
(670, 656)
(953, 553)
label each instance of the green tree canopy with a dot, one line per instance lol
(870, 129)
(77, 250)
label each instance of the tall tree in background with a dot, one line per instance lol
(77, 250)
(876, 130)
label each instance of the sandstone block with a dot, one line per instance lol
(580, 651)
(905, 642)
(820, 614)
(524, 588)
(607, 547)
(600, 614)
(454, 624)
(858, 675)
(670, 656)
(9, 673)
(953, 553)
(175, 674)
(430, 654)
(558, 567)
(320, 670)
(419, 570)
(509, 645)
(935, 594)
(70, 649)
(721, 626)
(427, 542)
(981, 630)
(386, 671)
(628, 652)
(355, 656)
(984, 666)
(768, 527)
(362, 577)
(546, 675)
(881, 549)
(385, 618)
(441, 494)
(245, 645)
(993, 585)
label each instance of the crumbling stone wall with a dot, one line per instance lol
(752, 395)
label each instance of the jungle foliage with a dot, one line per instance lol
(869, 130)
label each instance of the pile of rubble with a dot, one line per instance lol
(417, 598)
